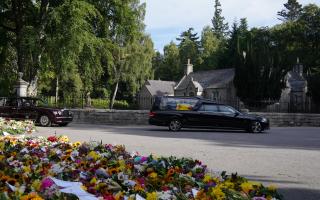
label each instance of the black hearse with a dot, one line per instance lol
(194, 112)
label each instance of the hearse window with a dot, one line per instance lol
(226, 110)
(209, 108)
(171, 103)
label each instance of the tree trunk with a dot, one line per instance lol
(114, 95)
(57, 92)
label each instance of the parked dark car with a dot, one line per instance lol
(21, 108)
(193, 112)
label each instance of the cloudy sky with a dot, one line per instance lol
(166, 19)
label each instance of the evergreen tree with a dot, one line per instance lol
(210, 46)
(220, 28)
(171, 69)
(189, 48)
(291, 12)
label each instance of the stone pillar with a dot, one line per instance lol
(21, 86)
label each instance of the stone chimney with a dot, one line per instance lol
(189, 68)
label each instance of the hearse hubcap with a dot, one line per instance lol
(175, 125)
(256, 127)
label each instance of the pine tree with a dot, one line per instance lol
(219, 27)
(291, 12)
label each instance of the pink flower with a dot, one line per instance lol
(46, 183)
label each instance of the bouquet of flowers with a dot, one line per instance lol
(54, 168)
(12, 127)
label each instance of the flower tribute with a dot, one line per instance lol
(12, 127)
(35, 168)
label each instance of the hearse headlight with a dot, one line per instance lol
(264, 119)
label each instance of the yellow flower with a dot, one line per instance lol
(31, 196)
(153, 175)
(63, 139)
(27, 169)
(228, 184)
(1, 146)
(218, 193)
(93, 180)
(36, 185)
(94, 155)
(152, 196)
(76, 144)
(246, 187)
(271, 187)
(206, 178)
(119, 196)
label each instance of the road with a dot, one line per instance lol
(288, 157)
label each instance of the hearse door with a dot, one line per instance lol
(229, 118)
(208, 113)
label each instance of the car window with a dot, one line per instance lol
(172, 103)
(209, 108)
(226, 110)
(2, 102)
(12, 102)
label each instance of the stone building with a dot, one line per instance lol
(216, 85)
(153, 88)
(293, 96)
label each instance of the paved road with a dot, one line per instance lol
(287, 157)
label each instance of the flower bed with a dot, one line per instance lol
(12, 127)
(54, 168)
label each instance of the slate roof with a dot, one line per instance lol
(208, 79)
(160, 88)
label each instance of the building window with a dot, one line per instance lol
(215, 95)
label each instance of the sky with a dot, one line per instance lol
(166, 19)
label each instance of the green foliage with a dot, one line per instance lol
(259, 74)
(72, 46)
(220, 28)
(189, 48)
(172, 69)
(210, 48)
(291, 12)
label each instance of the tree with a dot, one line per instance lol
(220, 28)
(210, 46)
(189, 48)
(291, 12)
(259, 73)
(171, 68)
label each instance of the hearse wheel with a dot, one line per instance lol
(175, 125)
(255, 127)
(44, 120)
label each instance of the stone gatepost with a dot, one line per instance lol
(21, 86)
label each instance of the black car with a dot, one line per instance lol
(22, 108)
(193, 112)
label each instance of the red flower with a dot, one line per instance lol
(52, 139)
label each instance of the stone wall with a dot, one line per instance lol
(140, 117)
(292, 119)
